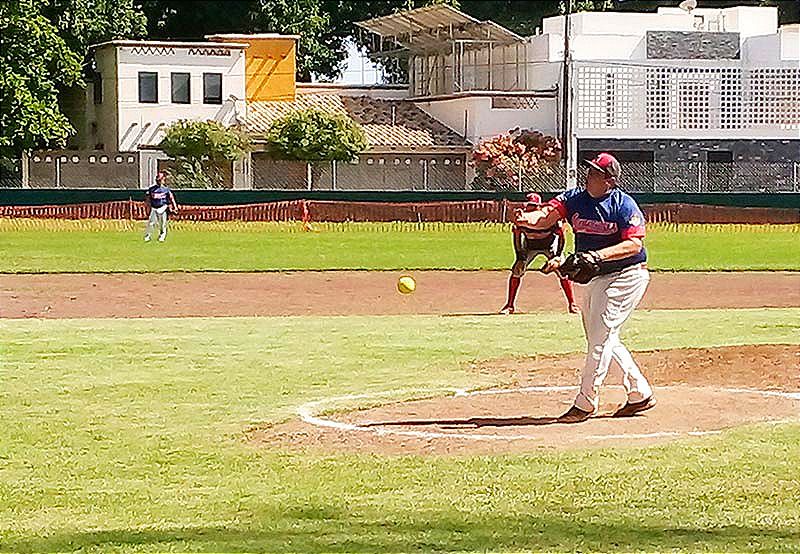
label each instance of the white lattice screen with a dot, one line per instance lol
(619, 96)
(773, 97)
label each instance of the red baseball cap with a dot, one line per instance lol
(533, 198)
(605, 163)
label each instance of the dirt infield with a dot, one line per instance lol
(353, 293)
(700, 392)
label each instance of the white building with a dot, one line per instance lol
(710, 85)
(140, 87)
(725, 81)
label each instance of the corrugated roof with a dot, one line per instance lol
(409, 126)
(430, 28)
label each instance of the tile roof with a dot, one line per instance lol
(413, 127)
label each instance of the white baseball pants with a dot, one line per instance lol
(158, 216)
(608, 301)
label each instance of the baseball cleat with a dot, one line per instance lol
(633, 408)
(574, 415)
(162, 238)
(147, 238)
(507, 310)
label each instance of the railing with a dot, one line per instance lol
(410, 172)
(686, 177)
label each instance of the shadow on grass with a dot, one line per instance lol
(332, 530)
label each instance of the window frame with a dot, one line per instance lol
(188, 77)
(97, 88)
(155, 82)
(206, 85)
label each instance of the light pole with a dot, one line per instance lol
(568, 148)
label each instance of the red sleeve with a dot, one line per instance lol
(633, 232)
(559, 206)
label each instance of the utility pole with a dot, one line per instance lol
(568, 147)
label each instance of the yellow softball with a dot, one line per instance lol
(406, 284)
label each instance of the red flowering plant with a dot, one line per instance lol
(512, 155)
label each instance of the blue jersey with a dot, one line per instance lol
(602, 222)
(159, 196)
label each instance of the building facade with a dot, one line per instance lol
(673, 84)
(664, 90)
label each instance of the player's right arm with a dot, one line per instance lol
(539, 219)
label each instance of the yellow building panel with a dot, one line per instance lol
(270, 66)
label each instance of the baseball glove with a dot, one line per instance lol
(581, 267)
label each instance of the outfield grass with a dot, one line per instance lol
(38, 246)
(127, 436)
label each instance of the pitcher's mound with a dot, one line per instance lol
(522, 417)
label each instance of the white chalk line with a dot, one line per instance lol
(307, 410)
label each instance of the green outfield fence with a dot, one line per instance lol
(39, 197)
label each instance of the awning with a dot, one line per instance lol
(434, 28)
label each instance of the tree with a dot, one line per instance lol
(315, 135)
(323, 25)
(201, 149)
(514, 154)
(35, 62)
(82, 23)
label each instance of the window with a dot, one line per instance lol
(97, 88)
(180, 88)
(148, 87)
(212, 88)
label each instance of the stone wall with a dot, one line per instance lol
(692, 45)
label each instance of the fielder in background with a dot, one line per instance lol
(160, 199)
(610, 259)
(527, 245)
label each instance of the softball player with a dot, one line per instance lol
(610, 256)
(527, 245)
(160, 198)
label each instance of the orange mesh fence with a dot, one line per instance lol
(310, 211)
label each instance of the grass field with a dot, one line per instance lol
(112, 444)
(103, 246)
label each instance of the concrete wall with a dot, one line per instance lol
(483, 120)
(104, 134)
(145, 123)
(84, 169)
(689, 150)
(688, 45)
(790, 42)
(618, 23)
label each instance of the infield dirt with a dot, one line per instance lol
(700, 391)
(354, 293)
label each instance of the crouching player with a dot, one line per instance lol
(529, 244)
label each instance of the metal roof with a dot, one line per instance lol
(430, 28)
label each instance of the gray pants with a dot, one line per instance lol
(158, 216)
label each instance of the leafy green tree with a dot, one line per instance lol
(324, 25)
(182, 20)
(82, 23)
(315, 135)
(35, 63)
(201, 150)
